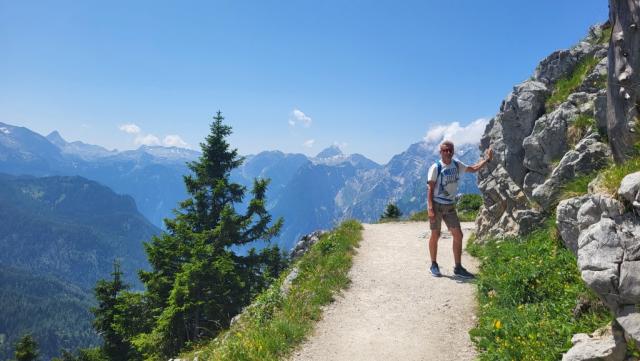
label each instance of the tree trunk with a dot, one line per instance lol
(623, 90)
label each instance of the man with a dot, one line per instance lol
(443, 179)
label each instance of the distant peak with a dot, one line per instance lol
(55, 138)
(332, 151)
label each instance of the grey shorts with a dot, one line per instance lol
(446, 212)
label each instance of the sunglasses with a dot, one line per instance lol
(446, 150)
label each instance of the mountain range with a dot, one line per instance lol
(308, 192)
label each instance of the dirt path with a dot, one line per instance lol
(394, 309)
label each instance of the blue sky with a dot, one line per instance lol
(371, 76)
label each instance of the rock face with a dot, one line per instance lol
(524, 180)
(589, 155)
(305, 243)
(603, 233)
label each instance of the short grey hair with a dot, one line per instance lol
(447, 142)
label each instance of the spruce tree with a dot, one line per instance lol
(107, 293)
(391, 212)
(197, 283)
(26, 349)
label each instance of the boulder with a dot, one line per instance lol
(567, 221)
(288, 281)
(608, 252)
(606, 344)
(599, 256)
(305, 243)
(629, 187)
(589, 155)
(630, 282)
(629, 318)
(517, 117)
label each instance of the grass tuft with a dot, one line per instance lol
(579, 128)
(527, 290)
(577, 186)
(275, 324)
(568, 85)
(604, 36)
(610, 178)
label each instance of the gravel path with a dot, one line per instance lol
(394, 309)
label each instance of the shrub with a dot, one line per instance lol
(391, 213)
(468, 206)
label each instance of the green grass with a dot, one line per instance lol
(605, 36)
(527, 289)
(611, 177)
(577, 186)
(565, 86)
(275, 324)
(467, 216)
(579, 128)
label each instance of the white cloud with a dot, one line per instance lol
(459, 135)
(174, 140)
(130, 128)
(309, 143)
(298, 117)
(170, 140)
(148, 139)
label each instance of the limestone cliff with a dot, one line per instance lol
(576, 115)
(540, 140)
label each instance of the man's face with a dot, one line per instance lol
(446, 152)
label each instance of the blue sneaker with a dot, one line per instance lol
(435, 270)
(459, 271)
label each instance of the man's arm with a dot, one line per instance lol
(476, 167)
(430, 212)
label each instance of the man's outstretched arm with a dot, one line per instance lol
(476, 167)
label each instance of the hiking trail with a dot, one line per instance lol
(394, 309)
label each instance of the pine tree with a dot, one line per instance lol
(197, 283)
(27, 349)
(107, 293)
(392, 212)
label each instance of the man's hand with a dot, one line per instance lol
(489, 154)
(432, 214)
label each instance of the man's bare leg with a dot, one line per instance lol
(456, 233)
(433, 244)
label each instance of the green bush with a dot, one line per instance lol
(468, 206)
(527, 290)
(392, 212)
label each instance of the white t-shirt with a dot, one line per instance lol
(447, 183)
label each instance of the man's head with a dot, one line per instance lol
(446, 151)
